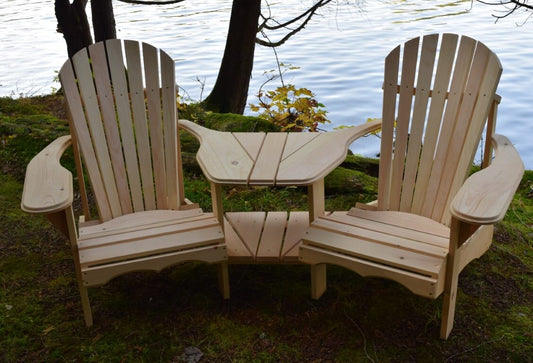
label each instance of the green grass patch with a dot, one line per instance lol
(160, 317)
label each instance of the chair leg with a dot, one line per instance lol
(223, 280)
(448, 306)
(318, 280)
(85, 304)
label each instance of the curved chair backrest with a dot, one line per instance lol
(121, 97)
(438, 92)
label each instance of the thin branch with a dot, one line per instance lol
(510, 6)
(141, 2)
(309, 13)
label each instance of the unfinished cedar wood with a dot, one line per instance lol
(428, 223)
(121, 97)
(276, 158)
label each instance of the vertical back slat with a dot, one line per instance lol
(120, 91)
(423, 86)
(407, 85)
(443, 73)
(465, 120)
(482, 85)
(107, 108)
(390, 83)
(81, 131)
(455, 96)
(168, 94)
(151, 68)
(92, 109)
(133, 61)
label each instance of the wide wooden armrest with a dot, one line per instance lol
(486, 195)
(48, 185)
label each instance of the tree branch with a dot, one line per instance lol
(514, 6)
(308, 14)
(141, 2)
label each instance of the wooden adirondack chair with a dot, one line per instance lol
(428, 223)
(121, 97)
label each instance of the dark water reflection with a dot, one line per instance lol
(339, 54)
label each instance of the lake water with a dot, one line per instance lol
(339, 54)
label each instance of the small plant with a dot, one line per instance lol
(291, 108)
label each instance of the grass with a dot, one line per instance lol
(178, 315)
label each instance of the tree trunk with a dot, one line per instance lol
(72, 22)
(231, 88)
(103, 20)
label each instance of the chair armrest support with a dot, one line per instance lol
(486, 195)
(48, 185)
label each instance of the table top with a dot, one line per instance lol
(275, 158)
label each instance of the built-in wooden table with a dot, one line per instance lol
(270, 159)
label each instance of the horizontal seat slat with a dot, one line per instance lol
(147, 232)
(381, 238)
(141, 220)
(403, 220)
(433, 243)
(151, 246)
(385, 254)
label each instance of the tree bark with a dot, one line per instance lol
(231, 87)
(103, 20)
(72, 22)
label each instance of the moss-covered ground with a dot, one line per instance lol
(178, 314)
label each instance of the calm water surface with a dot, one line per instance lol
(339, 54)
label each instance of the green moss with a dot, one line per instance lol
(270, 317)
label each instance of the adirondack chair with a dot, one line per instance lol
(121, 98)
(428, 223)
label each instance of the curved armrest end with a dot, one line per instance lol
(48, 185)
(198, 131)
(486, 195)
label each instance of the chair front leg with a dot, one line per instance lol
(318, 280)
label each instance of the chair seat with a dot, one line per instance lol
(160, 237)
(405, 247)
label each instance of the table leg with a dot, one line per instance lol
(316, 201)
(216, 199)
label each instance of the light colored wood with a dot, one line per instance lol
(317, 203)
(405, 102)
(439, 95)
(216, 200)
(99, 63)
(271, 242)
(416, 283)
(237, 249)
(451, 114)
(175, 193)
(48, 185)
(423, 85)
(248, 226)
(296, 227)
(491, 130)
(99, 275)
(392, 63)
(134, 166)
(251, 142)
(268, 159)
(486, 195)
(318, 280)
(87, 91)
(429, 139)
(310, 162)
(399, 219)
(424, 234)
(385, 254)
(156, 244)
(266, 165)
(153, 105)
(127, 134)
(82, 134)
(296, 140)
(138, 107)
